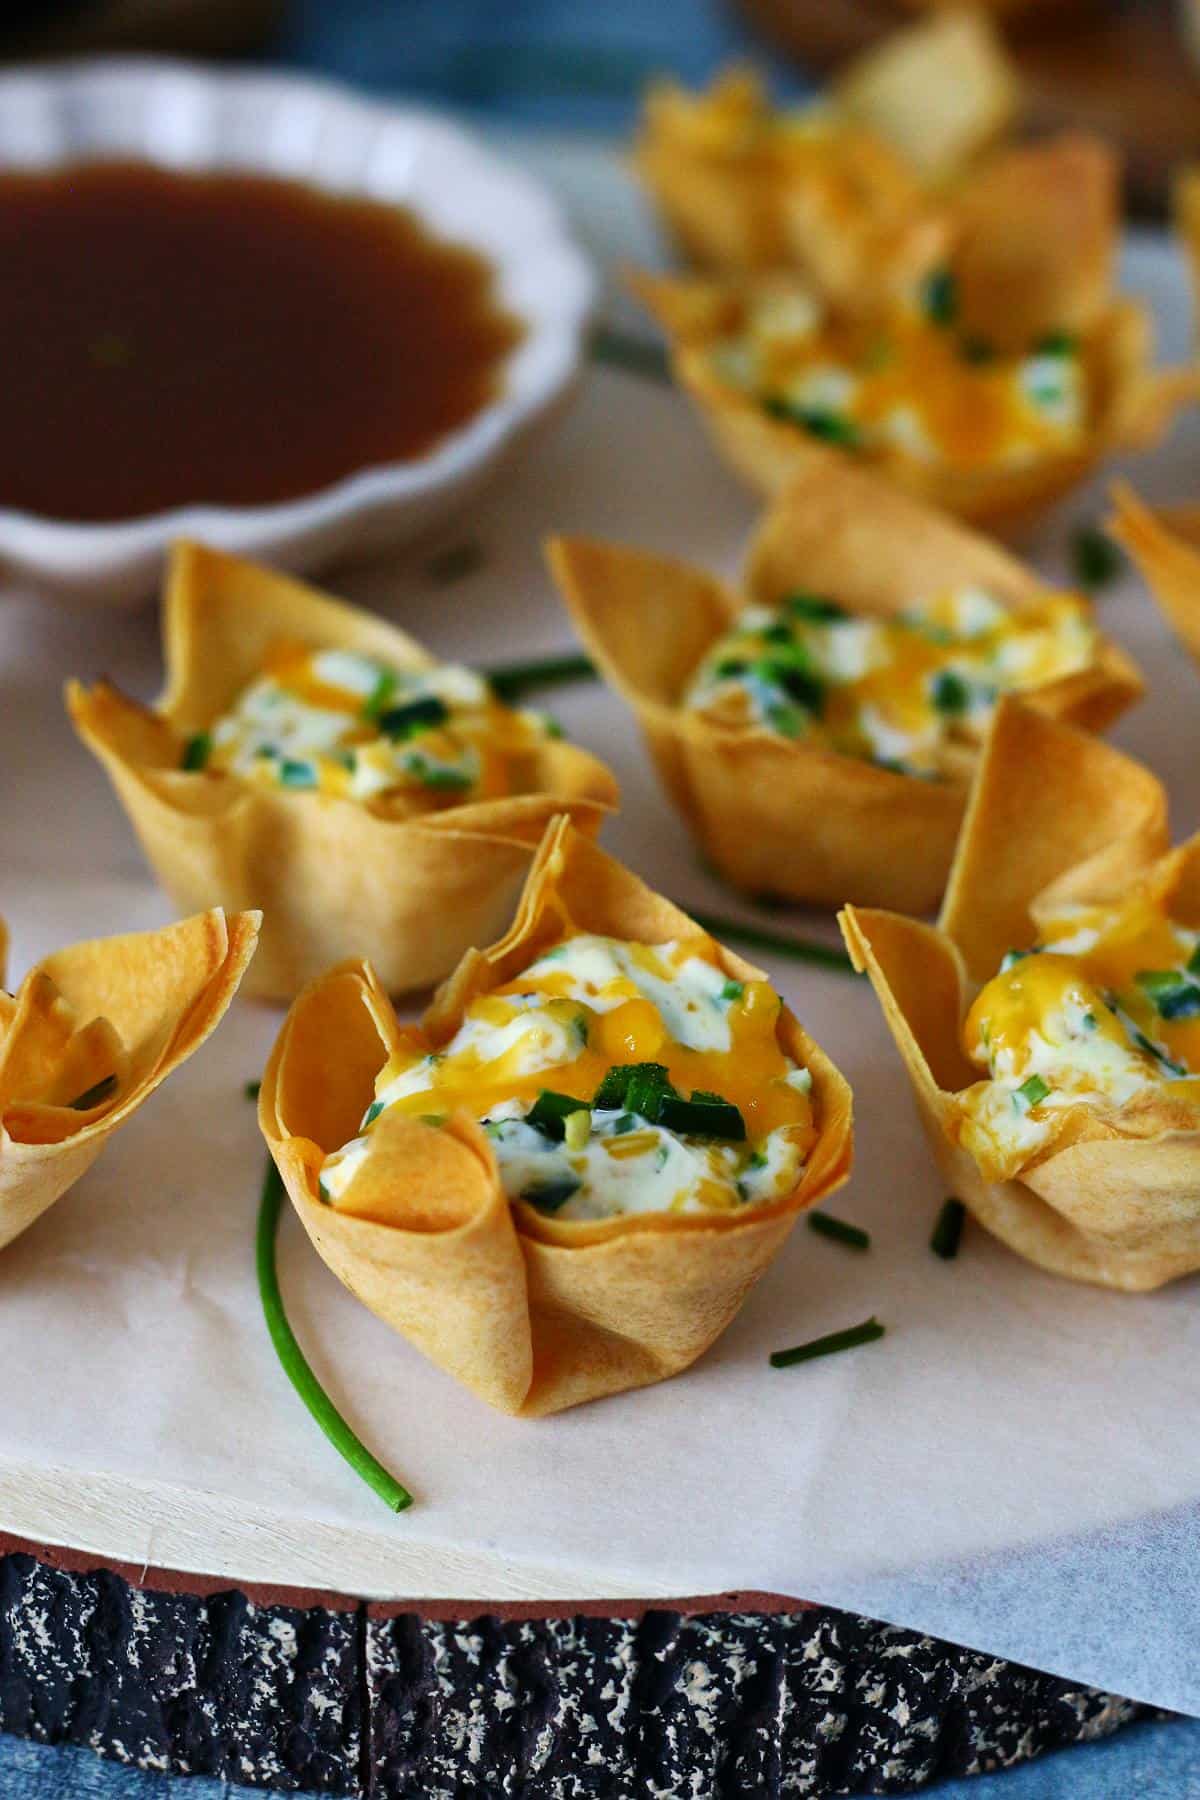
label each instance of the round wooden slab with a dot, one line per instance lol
(738, 1694)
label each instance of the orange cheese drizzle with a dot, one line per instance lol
(750, 1074)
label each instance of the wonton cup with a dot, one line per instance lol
(333, 876)
(134, 1007)
(775, 815)
(1056, 817)
(530, 1312)
(1034, 242)
(1165, 546)
(740, 190)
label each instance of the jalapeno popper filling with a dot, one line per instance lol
(612, 1078)
(908, 380)
(1105, 1013)
(903, 690)
(341, 723)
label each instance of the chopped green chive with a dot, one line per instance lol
(252, 1090)
(295, 1365)
(788, 721)
(948, 1230)
(1012, 957)
(731, 666)
(805, 689)
(455, 563)
(1088, 1021)
(372, 1113)
(866, 1333)
(1096, 559)
(414, 716)
(297, 774)
(939, 296)
(1057, 343)
(798, 949)
(510, 680)
(812, 606)
(380, 694)
(818, 421)
(102, 1090)
(1194, 961)
(197, 751)
(779, 633)
(437, 775)
(1030, 1093)
(704, 1115)
(551, 1195)
(825, 1225)
(633, 1087)
(550, 1112)
(1174, 996)
(646, 1090)
(950, 692)
(733, 990)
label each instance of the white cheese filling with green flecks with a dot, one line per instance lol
(604, 1161)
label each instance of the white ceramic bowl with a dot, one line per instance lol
(182, 116)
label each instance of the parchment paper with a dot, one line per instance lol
(1014, 1466)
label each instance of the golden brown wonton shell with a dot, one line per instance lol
(1165, 546)
(1035, 238)
(853, 213)
(532, 1313)
(334, 877)
(782, 817)
(134, 1007)
(1055, 817)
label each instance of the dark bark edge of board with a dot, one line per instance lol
(351, 1698)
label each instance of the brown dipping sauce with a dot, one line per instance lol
(231, 339)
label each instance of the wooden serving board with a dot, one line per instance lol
(1121, 70)
(745, 1694)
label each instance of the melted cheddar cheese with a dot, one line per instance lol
(344, 724)
(906, 381)
(586, 1008)
(1105, 1014)
(905, 691)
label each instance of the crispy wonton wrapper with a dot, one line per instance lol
(132, 1007)
(940, 92)
(1035, 234)
(1056, 817)
(1165, 545)
(532, 1313)
(787, 818)
(333, 876)
(740, 190)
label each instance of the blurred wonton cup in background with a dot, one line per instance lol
(839, 191)
(778, 815)
(90, 1033)
(407, 878)
(532, 1311)
(999, 382)
(1063, 834)
(1165, 546)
